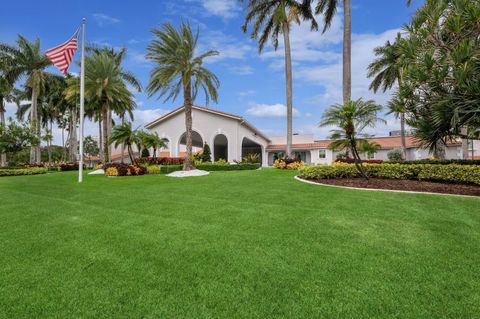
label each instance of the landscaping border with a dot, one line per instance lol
(298, 178)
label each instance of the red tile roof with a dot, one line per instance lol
(387, 142)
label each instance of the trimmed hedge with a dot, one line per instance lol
(228, 167)
(438, 162)
(352, 161)
(452, 173)
(23, 171)
(69, 167)
(166, 169)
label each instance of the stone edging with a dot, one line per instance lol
(379, 189)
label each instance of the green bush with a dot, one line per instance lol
(153, 169)
(452, 173)
(395, 155)
(439, 162)
(228, 167)
(166, 169)
(23, 171)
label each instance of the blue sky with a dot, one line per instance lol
(252, 85)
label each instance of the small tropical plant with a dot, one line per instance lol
(123, 134)
(395, 155)
(350, 120)
(251, 158)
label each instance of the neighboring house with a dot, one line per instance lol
(231, 137)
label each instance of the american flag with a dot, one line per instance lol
(62, 55)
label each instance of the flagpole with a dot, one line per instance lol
(82, 97)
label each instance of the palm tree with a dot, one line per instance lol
(177, 68)
(30, 62)
(387, 70)
(351, 119)
(152, 140)
(6, 88)
(123, 134)
(106, 89)
(269, 20)
(128, 77)
(48, 137)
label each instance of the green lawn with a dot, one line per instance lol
(249, 244)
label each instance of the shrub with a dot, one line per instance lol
(161, 160)
(251, 158)
(98, 166)
(119, 169)
(288, 163)
(166, 169)
(23, 171)
(453, 173)
(440, 162)
(205, 156)
(395, 155)
(153, 169)
(228, 167)
(351, 161)
(145, 152)
(69, 167)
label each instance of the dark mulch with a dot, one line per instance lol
(404, 185)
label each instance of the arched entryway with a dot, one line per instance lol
(250, 147)
(220, 147)
(197, 144)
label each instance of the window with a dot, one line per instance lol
(322, 153)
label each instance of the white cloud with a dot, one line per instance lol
(225, 9)
(242, 70)
(329, 76)
(270, 110)
(103, 19)
(229, 47)
(247, 93)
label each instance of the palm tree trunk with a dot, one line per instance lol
(49, 146)
(347, 52)
(122, 148)
(3, 156)
(106, 157)
(154, 153)
(100, 139)
(187, 95)
(403, 141)
(439, 152)
(35, 150)
(358, 160)
(288, 77)
(109, 133)
(130, 154)
(73, 136)
(464, 132)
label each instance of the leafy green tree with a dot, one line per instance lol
(14, 138)
(123, 134)
(388, 70)
(350, 120)
(30, 62)
(370, 148)
(152, 140)
(207, 153)
(269, 20)
(177, 68)
(90, 146)
(442, 82)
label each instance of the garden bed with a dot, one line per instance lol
(403, 185)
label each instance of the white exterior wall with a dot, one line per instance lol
(208, 126)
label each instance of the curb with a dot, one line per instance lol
(379, 189)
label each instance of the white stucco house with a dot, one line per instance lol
(231, 137)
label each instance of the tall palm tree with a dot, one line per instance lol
(177, 68)
(123, 134)
(30, 62)
(128, 77)
(269, 20)
(105, 88)
(351, 119)
(387, 70)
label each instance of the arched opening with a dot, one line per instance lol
(197, 144)
(250, 147)
(220, 147)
